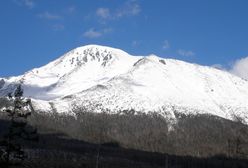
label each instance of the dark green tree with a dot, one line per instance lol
(12, 144)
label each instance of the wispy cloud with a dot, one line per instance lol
(240, 68)
(135, 43)
(103, 13)
(49, 16)
(28, 3)
(130, 8)
(58, 27)
(185, 53)
(166, 45)
(71, 9)
(107, 30)
(92, 33)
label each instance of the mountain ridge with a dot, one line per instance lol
(107, 79)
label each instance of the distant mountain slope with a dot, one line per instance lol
(101, 78)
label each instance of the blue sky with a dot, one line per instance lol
(207, 32)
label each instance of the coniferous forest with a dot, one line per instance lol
(89, 139)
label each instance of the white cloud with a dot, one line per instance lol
(49, 16)
(92, 33)
(135, 43)
(103, 13)
(166, 45)
(240, 68)
(130, 8)
(107, 30)
(28, 3)
(71, 9)
(185, 53)
(58, 27)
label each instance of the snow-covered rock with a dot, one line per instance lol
(106, 79)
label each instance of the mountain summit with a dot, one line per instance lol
(102, 79)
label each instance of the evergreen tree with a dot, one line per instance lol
(11, 146)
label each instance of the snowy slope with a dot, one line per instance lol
(106, 79)
(75, 71)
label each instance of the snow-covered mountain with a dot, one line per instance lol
(101, 78)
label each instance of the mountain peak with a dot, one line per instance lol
(143, 83)
(90, 53)
(78, 69)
